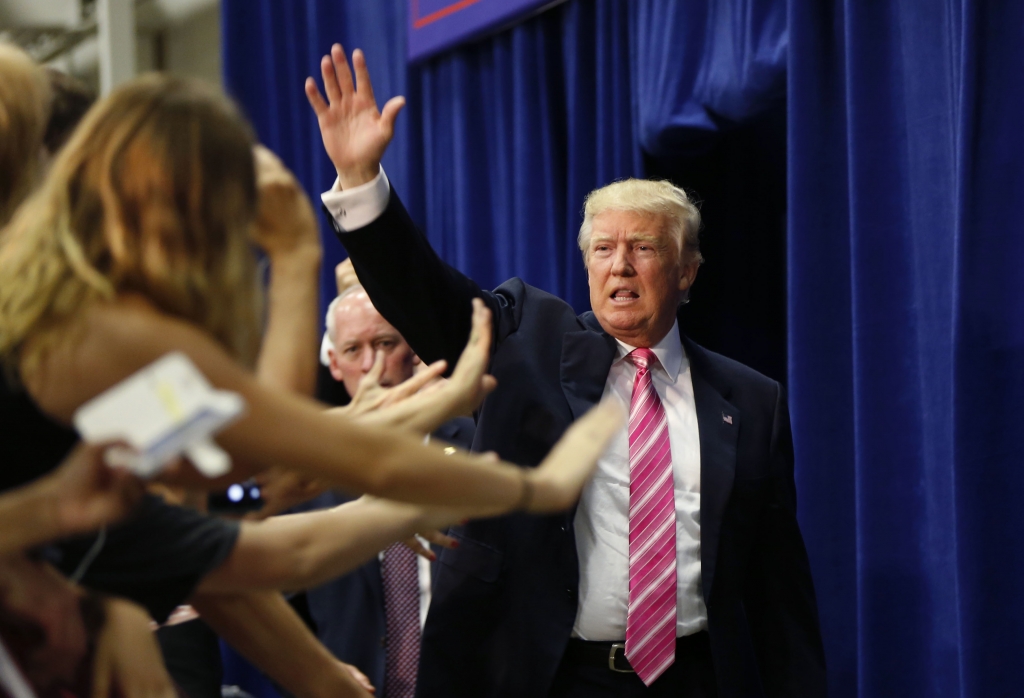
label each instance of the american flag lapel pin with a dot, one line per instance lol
(727, 418)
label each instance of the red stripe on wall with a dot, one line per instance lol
(420, 22)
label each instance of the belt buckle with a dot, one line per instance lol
(611, 659)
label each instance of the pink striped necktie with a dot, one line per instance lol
(651, 615)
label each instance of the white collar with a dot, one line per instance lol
(669, 352)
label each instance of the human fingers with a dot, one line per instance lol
(481, 332)
(438, 538)
(389, 114)
(364, 87)
(128, 490)
(341, 69)
(557, 482)
(415, 383)
(377, 370)
(475, 353)
(330, 79)
(269, 167)
(361, 678)
(413, 543)
(316, 100)
(487, 385)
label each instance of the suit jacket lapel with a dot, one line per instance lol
(586, 357)
(718, 423)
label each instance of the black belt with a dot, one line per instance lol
(613, 654)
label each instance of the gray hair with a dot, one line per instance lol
(332, 325)
(646, 196)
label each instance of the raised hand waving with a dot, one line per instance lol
(355, 133)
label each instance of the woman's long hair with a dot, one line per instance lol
(154, 194)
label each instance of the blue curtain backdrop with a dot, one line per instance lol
(906, 299)
(905, 308)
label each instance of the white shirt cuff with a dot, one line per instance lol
(359, 206)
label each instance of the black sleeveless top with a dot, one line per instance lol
(155, 557)
(32, 443)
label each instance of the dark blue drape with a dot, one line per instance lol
(906, 338)
(904, 312)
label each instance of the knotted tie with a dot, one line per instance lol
(400, 573)
(651, 614)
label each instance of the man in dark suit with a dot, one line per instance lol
(352, 613)
(349, 612)
(682, 571)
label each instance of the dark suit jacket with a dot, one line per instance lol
(505, 601)
(349, 611)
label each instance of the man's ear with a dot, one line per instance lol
(688, 275)
(332, 355)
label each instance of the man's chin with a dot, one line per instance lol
(622, 322)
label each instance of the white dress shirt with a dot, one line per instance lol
(602, 518)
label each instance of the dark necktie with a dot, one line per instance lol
(400, 571)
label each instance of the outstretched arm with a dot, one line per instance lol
(298, 551)
(286, 230)
(424, 298)
(287, 430)
(79, 496)
(266, 631)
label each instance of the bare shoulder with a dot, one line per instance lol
(110, 342)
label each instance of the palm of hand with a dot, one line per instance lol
(353, 133)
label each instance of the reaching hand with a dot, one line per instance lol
(360, 678)
(557, 482)
(285, 221)
(371, 396)
(355, 134)
(470, 380)
(87, 493)
(283, 489)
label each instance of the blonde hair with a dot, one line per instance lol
(154, 194)
(24, 107)
(649, 197)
